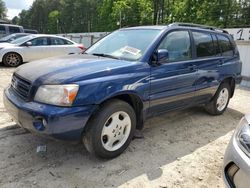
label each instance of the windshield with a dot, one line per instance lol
(6, 38)
(22, 40)
(125, 44)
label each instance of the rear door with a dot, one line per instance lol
(173, 82)
(61, 46)
(208, 60)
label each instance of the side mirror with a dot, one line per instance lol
(162, 56)
(28, 44)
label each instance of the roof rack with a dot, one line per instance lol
(199, 26)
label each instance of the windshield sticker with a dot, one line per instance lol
(131, 50)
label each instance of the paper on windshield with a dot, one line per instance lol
(131, 50)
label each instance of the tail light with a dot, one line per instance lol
(81, 47)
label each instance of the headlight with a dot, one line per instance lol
(243, 136)
(60, 95)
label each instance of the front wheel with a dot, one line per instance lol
(220, 101)
(111, 129)
(12, 59)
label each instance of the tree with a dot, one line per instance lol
(2, 10)
(67, 16)
(53, 22)
(15, 20)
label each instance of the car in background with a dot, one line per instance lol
(236, 171)
(34, 47)
(31, 31)
(7, 29)
(12, 37)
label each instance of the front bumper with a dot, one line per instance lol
(59, 122)
(238, 79)
(235, 156)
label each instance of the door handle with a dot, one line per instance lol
(220, 62)
(192, 67)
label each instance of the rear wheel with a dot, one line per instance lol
(220, 101)
(12, 59)
(110, 130)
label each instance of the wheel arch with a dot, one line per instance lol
(231, 81)
(132, 99)
(14, 53)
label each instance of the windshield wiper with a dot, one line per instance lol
(105, 55)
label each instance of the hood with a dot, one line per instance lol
(70, 68)
(6, 44)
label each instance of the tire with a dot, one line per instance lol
(219, 103)
(12, 59)
(110, 130)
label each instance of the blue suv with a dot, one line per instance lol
(102, 96)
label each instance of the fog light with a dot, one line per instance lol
(40, 124)
(231, 170)
(44, 122)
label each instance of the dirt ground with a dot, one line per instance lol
(180, 149)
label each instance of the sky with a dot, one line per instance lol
(15, 6)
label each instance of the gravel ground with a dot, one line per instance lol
(180, 149)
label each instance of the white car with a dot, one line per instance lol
(35, 47)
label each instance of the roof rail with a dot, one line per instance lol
(199, 26)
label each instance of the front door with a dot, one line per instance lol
(173, 81)
(38, 50)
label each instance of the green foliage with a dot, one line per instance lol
(2, 10)
(65, 16)
(53, 22)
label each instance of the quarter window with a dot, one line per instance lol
(203, 44)
(14, 29)
(57, 41)
(178, 45)
(225, 45)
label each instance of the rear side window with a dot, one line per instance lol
(216, 46)
(225, 45)
(178, 45)
(2, 29)
(204, 44)
(14, 29)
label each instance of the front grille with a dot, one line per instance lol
(21, 86)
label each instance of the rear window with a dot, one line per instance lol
(225, 45)
(204, 44)
(14, 29)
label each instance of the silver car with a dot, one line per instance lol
(236, 169)
(35, 47)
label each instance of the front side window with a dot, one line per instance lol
(128, 44)
(204, 44)
(178, 45)
(42, 41)
(225, 45)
